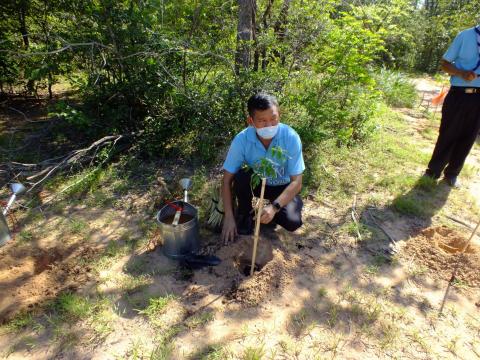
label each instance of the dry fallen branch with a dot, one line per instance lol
(459, 221)
(79, 181)
(67, 46)
(355, 216)
(48, 167)
(379, 226)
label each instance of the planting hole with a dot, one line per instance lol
(45, 260)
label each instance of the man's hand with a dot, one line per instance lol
(468, 75)
(451, 69)
(268, 213)
(229, 230)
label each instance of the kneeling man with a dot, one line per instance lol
(250, 147)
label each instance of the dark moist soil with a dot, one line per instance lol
(45, 260)
(183, 219)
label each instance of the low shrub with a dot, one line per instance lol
(396, 88)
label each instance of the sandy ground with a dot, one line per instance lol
(319, 293)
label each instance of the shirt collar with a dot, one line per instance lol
(251, 134)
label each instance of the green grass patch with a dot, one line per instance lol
(114, 250)
(254, 353)
(78, 226)
(398, 183)
(408, 206)
(25, 236)
(430, 133)
(427, 184)
(469, 171)
(385, 162)
(396, 88)
(162, 351)
(164, 348)
(198, 320)
(131, 284)
(157, 306)
(322, 293)
(379, 260)
(372, 269)
(212, 352)
(73, 306)
(69, 308)
(18, 323)
(386, 170)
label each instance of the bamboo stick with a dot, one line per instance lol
(257, 226)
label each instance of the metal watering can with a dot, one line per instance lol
(178, 221)
(5, 236)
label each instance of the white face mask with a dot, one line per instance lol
(267, 132)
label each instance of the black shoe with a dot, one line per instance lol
(452, 181)
(244, 224)
(430, 175)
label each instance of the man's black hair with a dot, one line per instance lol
(261, 101)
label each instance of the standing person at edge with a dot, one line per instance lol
(248, 147)
(461, 109)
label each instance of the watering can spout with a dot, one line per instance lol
(186, 184)
(17, 188)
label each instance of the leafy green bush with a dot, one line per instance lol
(336, 99)
(73, 117)
(173, 77)
(396, 88)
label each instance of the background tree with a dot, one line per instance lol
(178, 73)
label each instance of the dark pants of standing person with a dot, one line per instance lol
(458, 130)
(289, 216)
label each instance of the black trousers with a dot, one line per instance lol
(458, 130)
(289, 217)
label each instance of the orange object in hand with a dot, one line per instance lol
(437, 100)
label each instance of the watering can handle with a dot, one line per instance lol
(176, 207)
(9, 204)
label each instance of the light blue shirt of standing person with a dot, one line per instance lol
(464, 53)
(246, 149)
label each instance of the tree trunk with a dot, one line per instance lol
(245, 32)
(22, 20)
(46, 33)
(280, 27)
(266, 23)
(22, 16)
(50, 83)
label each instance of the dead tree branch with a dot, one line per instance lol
(48, 167)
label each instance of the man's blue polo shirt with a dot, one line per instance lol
(463, 53)
(247, 149)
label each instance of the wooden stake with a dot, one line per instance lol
(257, 225)
(454, 272)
